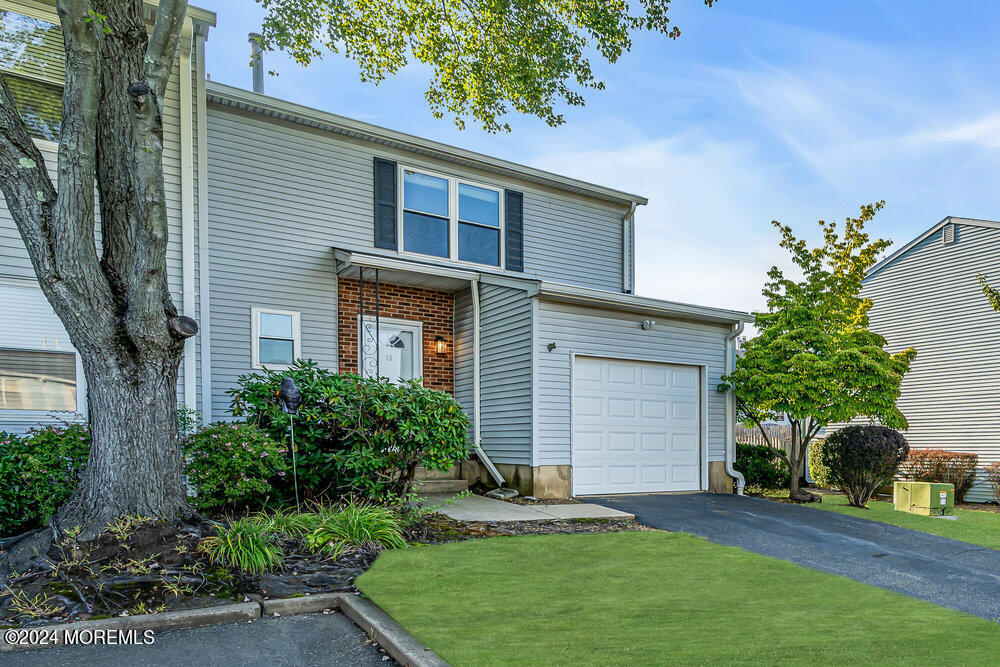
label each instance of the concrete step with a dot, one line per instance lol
(454, 472)
(441, 486)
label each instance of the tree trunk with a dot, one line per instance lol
(115, 305)
(135, 465)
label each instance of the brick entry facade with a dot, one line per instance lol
(435, 310)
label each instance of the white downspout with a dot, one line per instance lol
(731, 412)
(187, 214)
(475, 389)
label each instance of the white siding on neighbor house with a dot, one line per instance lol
(36, 327)
(505, 383)
(928, 298)
(323, 182)
(597, 333)
(270, 245)
(14, 262)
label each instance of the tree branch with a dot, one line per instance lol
(162, 48)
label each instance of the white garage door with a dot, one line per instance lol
(635, 427)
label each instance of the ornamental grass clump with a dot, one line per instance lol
(861, 459)
(355, 524)
(937, 465)
(244, 545)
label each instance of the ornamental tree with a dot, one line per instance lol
(814, 360)
(486, 58)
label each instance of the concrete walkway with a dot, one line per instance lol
(480, 508)
(947, 572)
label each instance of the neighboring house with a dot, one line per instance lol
(926, 296)
(508, 286)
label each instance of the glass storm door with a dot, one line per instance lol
(397, 355)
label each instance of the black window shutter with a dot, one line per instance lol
(514, 226)
(385, 204)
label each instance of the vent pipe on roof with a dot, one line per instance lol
(256, 62)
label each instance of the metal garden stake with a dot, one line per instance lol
(290, 399)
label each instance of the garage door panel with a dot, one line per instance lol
(635, 427)
(619, 441)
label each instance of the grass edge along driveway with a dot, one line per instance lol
(973, 526)
(653, 597)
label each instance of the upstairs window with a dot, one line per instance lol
(449, 218)
(276, 338)
(33, 68)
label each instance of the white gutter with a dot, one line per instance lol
(187, 215)
(587, 296)
(628, 249)
(731, 412)
(203, 251)
(476, 373)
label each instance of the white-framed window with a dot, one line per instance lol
(444, 216)
(276, 339)
(399, 354)
(38, 380)
(32, 65)
(41, 375)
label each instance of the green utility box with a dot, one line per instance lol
(927, 498)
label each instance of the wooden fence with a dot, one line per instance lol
(780, 436)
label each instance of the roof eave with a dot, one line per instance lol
(295, 113)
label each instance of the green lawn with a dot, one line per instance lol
(975, 527)
(655, 597)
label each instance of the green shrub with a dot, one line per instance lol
(820, 473)
(356, 435)
(317, 436)
(937, 465)
(355, 524)
(761, 466)
(233, 465)
(38, 472)
(244, 545)
(863, 458)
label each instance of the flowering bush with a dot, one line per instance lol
(233, 465)
(38, 472)
(938, 465)
(993, 475)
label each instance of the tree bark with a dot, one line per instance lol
(116, 307)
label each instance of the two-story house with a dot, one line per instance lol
(298, 233)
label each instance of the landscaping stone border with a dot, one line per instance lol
(391, 636)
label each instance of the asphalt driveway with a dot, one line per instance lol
(947, 572)
(306, 640)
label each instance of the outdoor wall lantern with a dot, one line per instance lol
(550, 347)
(647, 324)
(439, 345)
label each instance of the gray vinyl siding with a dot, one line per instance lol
(505, 382)
(928, 298)
(593, 332)
(463, 352)
(270, 246)
(323, 182)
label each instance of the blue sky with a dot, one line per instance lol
(763, 109)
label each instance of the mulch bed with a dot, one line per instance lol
(146, 566)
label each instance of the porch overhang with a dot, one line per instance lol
(414, 273)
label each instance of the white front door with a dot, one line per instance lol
(398, 353)
(636, 427)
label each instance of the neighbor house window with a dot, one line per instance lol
(447, 217)
(37, 380)
(398, 355)
(32, 65)
(276, 337)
